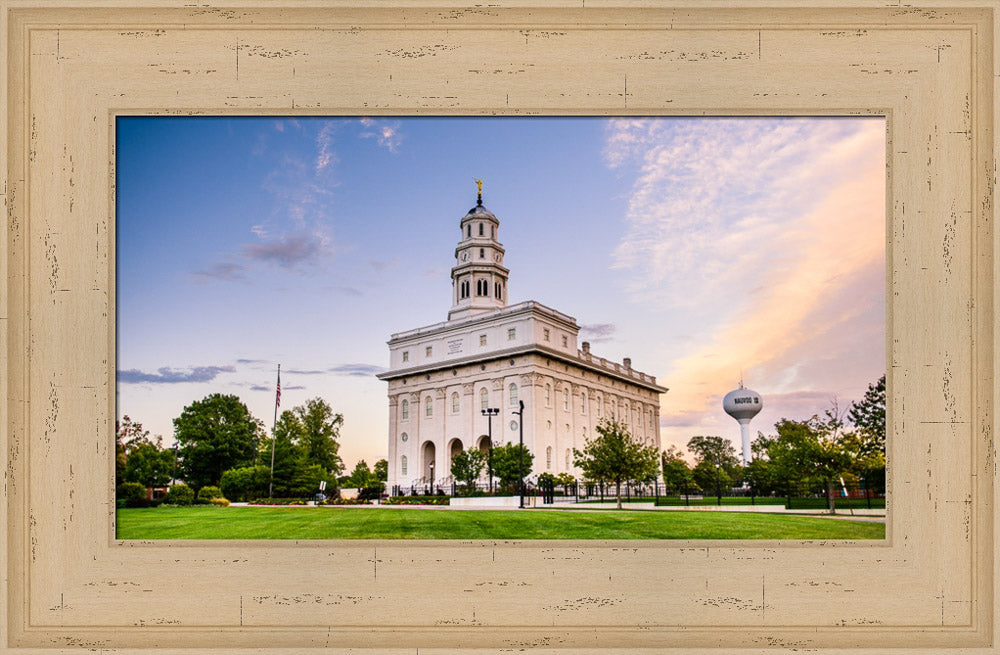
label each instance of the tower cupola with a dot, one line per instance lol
(478, 279)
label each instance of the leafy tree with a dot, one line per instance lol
(321, 432)
(361, 477)
(676, 472)
(811, 450)
(126, 431)
(565, 480)
(247, 483)
(760, 472)
(148, 463)
(130, 491)
(615, 457)
(711, 478)
(215, 434)
(511, 464)
(288, 431)
(716, 464)
(381, 470)
(179, 494)
(467, 466)
(868, 416)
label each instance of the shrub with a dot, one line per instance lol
(220, 502)
(201, 501)
(241, 484)
(208, 493)
(180, 494)
(131, 490)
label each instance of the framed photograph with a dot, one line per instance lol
(73, 70)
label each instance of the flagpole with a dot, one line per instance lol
(274, 433)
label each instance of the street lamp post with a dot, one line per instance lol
(490, 412)
(173, 478)
(432, 477)
(718, 481)
(520, 453)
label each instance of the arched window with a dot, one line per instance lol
(480, 229)
(548, 395)
(405, 410)
(512, 392)
(566, 399)
(482, 253)
(548, 457)
(429, 407)
(484, 398)
(468, 230)
(493, 231)
(402, 465)
(583, 402)
(454, 403)
(548, 425)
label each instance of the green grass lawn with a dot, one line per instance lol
(396, 523)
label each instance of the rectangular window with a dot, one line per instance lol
(545, 334)
(430, 351)
(406, 355)
(482, 339)
(511, 334)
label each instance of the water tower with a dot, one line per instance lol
(743, 404)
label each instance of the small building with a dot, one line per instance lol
(489, 354)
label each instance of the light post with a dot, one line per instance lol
(520, 452)
(718, 481)
(432, 477)
(490, 412)
(173, 478)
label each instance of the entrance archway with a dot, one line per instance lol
(484, 444)
(428, 455)
(454, 448)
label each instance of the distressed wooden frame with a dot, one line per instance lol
(70, 67)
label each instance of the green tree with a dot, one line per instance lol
(511, 464)
(676, 472)
(361, 477)
(381, 470)
(147, 463)
(288, 431)
(215, 434)
(321, 434)
(812, 450)
(246, 483)
(565, 480)
(615, 457)
(467, 466)
(868, 416)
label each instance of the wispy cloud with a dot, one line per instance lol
(385, 132)
(293, 371)
(167, 375)
(598, 332)
(296, 234)
(769, 236)
(221, 271)
(357, 370)
(287, 252)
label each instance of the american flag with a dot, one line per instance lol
(277, 398)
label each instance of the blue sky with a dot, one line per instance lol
(701, 248)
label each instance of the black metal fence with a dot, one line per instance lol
(814, 496)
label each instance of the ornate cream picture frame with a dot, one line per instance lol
(71, 67)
